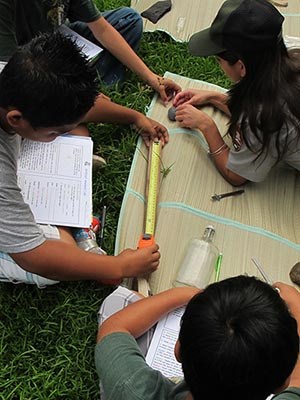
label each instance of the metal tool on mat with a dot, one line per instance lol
(218, 197)
(261, 270)
(147, 239)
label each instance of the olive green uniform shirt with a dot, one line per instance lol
(125, 375)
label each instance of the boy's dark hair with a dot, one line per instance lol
(49, 81)
(238, 341)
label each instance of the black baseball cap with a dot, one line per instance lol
(240, 26)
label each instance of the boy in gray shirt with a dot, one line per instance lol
(46, 89)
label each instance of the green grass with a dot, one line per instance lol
(47, 336)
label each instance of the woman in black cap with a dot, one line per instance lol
(263, 104)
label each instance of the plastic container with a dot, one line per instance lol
(86, 240)
(199, 262)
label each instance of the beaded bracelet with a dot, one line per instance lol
(218, 151)
(161, 81)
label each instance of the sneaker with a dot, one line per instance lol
(98, 162)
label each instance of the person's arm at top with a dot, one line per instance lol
(107, 111)
(113, 41)
(138, 317)
(58, 260)
(8, 42)
(292, 298)
(190, 117)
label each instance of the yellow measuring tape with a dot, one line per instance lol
(154, 174)
(151, 193)
(147, 239)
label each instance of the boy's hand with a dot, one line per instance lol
(103, 96)
(166, 88)
(151, 130)
(139, 262)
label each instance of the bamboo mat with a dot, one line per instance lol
(190, 16)
(263, 222)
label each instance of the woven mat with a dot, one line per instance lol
(263, 222)
(190, 16)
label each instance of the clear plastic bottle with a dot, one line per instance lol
(199, 262)
(86, 240)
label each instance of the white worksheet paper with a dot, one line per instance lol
(90, 49)
(160, 355)
(56, 180)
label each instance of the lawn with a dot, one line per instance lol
(47, 336)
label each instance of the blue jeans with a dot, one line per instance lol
(129, 24)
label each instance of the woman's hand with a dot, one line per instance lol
(292, 298)
(201, 98)
(193, 96)
(189, 116)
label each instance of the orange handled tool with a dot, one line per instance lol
(146, 240)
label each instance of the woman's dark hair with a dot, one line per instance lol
(238, 341)
(294, 55)
(229, 56)
(266, 99)
(49, 81)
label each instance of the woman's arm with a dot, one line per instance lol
(190, 117)
(196, 97)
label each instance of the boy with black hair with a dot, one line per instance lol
(238, 339)
(117, 31)
(46, 89)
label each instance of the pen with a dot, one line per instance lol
(103, 218)
(218, 267)
(261, 270)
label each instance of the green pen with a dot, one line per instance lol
(218, 267)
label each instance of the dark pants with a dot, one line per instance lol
(129, 24)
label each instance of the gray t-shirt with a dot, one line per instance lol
(243, 161)
(18, 230)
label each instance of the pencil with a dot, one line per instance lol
(218, 267)
(261, 270)
(103, 218)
